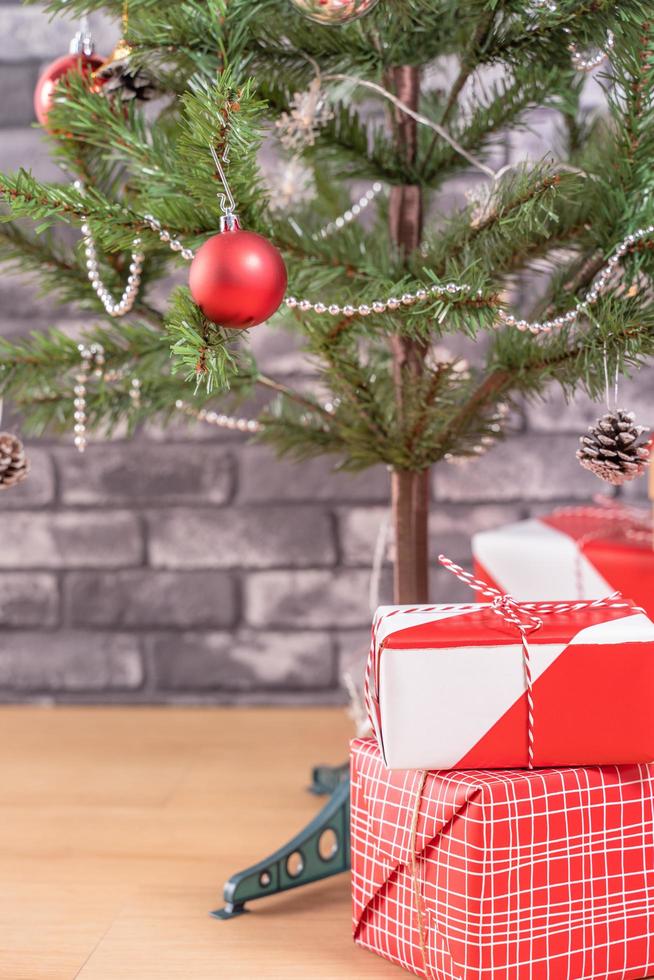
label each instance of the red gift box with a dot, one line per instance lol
(505, 685)
(511, 875)
(574, 553)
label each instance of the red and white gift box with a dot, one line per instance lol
(574, 553)
(447, 686)
(512, 875)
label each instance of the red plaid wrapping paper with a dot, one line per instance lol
(520, 875)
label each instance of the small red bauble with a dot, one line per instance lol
(238, 279)
(52, 75)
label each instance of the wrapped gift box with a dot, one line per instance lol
(574, 553)
(544, 874)
(446, 686)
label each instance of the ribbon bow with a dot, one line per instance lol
(510, 610)
(522, 616)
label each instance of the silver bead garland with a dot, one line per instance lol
(233, 422)
(379, 305)
(135, 392)
(437, 291)
(582, 62)
(441, 291)
(93, 360)
(173, 243)
(352, 212)
(597, 288)
(123, 305)
(549, 5)
(92, 363)
(502, 410)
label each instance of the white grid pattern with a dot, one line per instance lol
(524, 875)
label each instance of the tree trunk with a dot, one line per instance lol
(409, 490)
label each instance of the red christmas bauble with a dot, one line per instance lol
(238, 279)
(52, 75)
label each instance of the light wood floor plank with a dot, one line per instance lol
(118, 827)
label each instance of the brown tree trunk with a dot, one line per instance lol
(409, 490)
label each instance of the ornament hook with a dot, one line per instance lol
(607, 382)
(228, 219)
(82, 41)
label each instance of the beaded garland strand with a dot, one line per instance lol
(422, 294)
(449, 289)
(93, 361)
(581, 62)
(126, 302)
(233, 422)
(352, 212)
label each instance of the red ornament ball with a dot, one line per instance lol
(238, 279)
(52, 75)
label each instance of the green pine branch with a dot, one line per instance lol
(227, 71)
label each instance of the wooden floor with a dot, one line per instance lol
(119, 825)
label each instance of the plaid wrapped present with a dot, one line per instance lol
(508, 875)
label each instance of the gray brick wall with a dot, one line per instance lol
(191, 566)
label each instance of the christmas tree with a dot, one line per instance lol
(383, 295)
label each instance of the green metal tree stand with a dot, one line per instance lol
(320, 850)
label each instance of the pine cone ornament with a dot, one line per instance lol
(14, 464)
(122, 80)
(612, 450)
